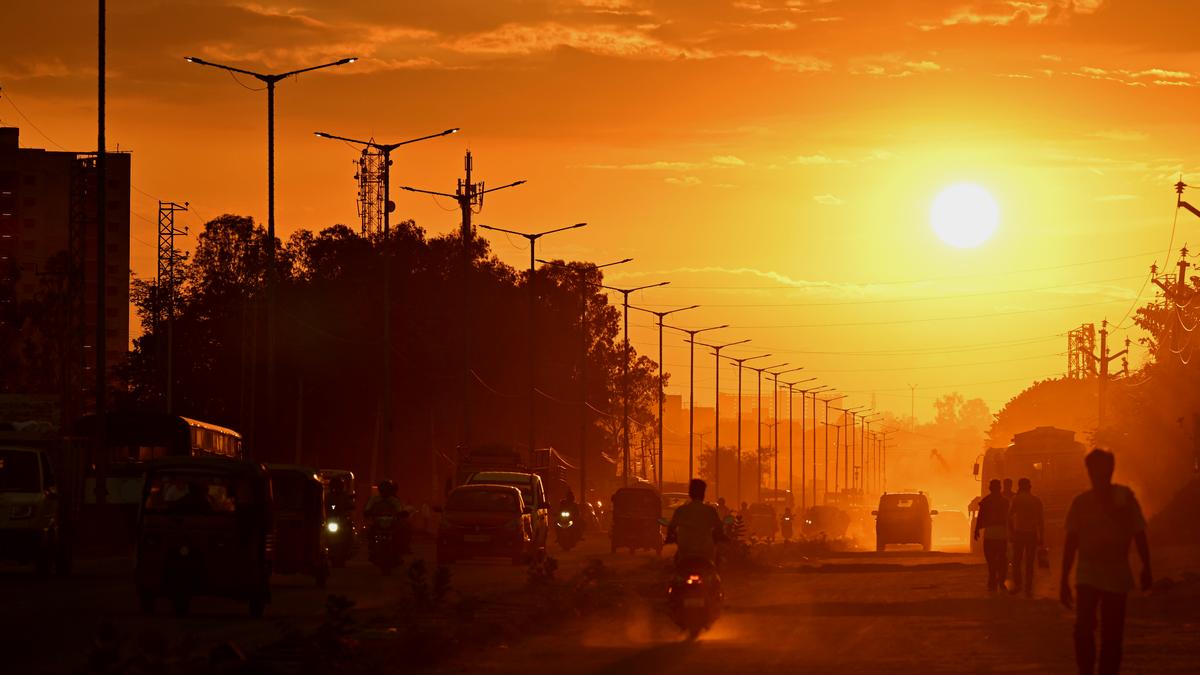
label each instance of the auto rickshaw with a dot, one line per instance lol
(203, 528)
(341, 527)
(300, 527)
(635, 515)
(761, 523)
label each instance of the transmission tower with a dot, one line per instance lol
(167, 257)
(370, 177)
(1081, 346)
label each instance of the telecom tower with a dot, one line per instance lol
(370, 177)
(167, 257)
(1081, 345)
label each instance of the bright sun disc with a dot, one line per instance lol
(964, 215)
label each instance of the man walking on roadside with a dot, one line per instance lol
(993, 522)
(1100, 525)
(1027, 531)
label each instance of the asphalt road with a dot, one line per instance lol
(897, 612)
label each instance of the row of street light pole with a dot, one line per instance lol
(869, 443)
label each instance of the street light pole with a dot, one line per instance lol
(584, 352)
(270, 79)
(625, 372)
(758, 426)
(717, 415)
(662, 383)
(791, 457)
(804, 444)
(740, 363)
(865, 449)
(844, 449)
(691, 340)
(531, 338)
(825, 487)
(775, 427)
(385, 447)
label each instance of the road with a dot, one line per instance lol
(895, 612)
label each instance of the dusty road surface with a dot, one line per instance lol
(897, 612)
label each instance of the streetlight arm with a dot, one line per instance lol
(513, 184)
(560, 229)
(339, 62)
(447, 132)
(428, 192)
(639, 288)
(501, 229)
(335, 137)
(201, 62)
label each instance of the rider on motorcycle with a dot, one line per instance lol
(386, 505)
(696, 527)
(568, 505)
(786, 524)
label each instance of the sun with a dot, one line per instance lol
(964, 215)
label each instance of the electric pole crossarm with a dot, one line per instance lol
(1189, 207)
(428, 192)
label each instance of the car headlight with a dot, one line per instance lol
(332, 526)
(22, 512)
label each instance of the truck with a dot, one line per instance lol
(554, 470)
(1051, 458)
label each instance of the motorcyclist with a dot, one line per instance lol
(385, 504)
(568, 505)
(786, 525)
(695, 527)
(723, 509)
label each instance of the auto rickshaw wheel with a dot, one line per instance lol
(181, 604)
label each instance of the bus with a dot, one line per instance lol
(133, 438)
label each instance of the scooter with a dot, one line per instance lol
(694, 597)
(568, 530)
(341, 536)
(389, 541)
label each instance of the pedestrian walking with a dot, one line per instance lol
(992, 521)
(1101, 523)
(1027, 531)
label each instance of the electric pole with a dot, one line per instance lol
(662, 382)
(717, 414)
(469, 196)
(1102, 360)
(741, 362)
(167, 255)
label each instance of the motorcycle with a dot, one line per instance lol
(388, 541)
(694, 597)
(568, 529)
(785, 526)
(341, 536)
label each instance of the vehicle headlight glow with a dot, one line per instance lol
(22, 512)
(332, 526)
(566, 514)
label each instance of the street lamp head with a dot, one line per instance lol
(343, 62)
(322, 134)
(193, 59)
(578, 225)
(450, 131)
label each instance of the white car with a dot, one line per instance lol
(29, 509)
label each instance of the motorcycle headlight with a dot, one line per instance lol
(22, 512)
(565, 514)
(332, 526)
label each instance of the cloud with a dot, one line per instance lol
(728, 160)
(892, 65)
(606, 40)
(1118, 135)
(821, 159)
(818, 160)
(1001, 13)
(828, 200)
(686, 181)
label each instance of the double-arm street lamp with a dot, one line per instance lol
(845, 447)
(717, 414)
(385, 447)
(791, 427)
(691, 340)
(803, 445)
(270, 79)
(775, 416)
(864, 453)
(584, 352)
(740, 363)
(531, 338)
(625, 370)
(662, 380)
(758, 426)
(825, 485)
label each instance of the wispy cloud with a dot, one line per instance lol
(822, 159)
(828, 200)
(715, 162)
(686, 181)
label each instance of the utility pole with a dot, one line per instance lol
(100, 339)
(912, 407)
(625, 371)
(741, 362)
(791, 387)
(1102, 360)
(803, 444)
(691, 340)
(662, 381)
(167, 255)
(717, 415)
(469, 196)
(825, 492)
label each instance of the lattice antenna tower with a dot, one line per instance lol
(370, 189)
(1081, 345)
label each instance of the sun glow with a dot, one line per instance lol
(964, 215)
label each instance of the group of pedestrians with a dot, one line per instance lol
(1100, 526)
(1011, 522)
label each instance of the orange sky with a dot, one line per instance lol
(774, 159)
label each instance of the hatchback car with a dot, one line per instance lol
(485, 521)
(903, 518)
(29, 510)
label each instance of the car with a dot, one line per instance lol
(825, 520)
(903, 518)
(29, 510)
(761, 523)
(533, 494)
(672, 501)
(485, 521)
(952, 529)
